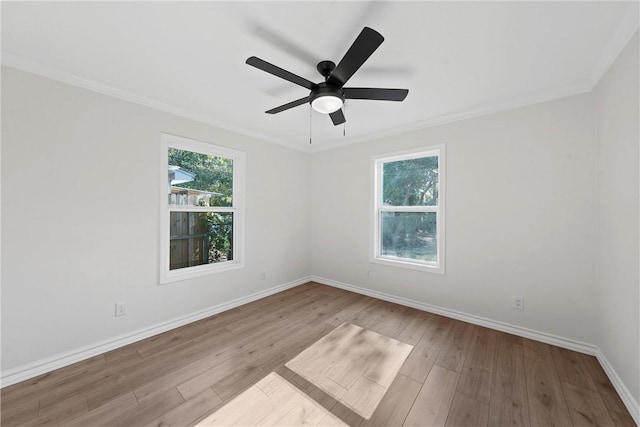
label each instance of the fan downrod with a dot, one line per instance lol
(326, 68)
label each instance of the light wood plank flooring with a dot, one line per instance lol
(457, 373)
(273, 401)
(353, 365)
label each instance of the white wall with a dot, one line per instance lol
(618, 280)
(519, 217)
(80, 220)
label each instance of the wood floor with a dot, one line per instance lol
(353, 365)
(273, 401)
(457, 373)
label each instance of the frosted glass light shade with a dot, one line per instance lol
(326, 104)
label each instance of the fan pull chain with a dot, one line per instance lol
(310, 113)
(344, 125)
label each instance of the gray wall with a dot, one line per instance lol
(542, 201)
(80, 219)
(618, 281)
(519, 217)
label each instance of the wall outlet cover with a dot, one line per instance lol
(121, 308)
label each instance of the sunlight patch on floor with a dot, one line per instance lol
(355, 366)
(272, 401)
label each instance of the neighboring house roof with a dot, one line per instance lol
(180, 176)
(177, 175)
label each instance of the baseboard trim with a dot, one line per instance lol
(621, 388)
(476, 320)
(32, 370)
(627, 398)
(40, 367)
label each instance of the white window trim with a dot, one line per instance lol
(239, 171)
(376, 174)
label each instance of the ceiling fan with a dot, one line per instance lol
(328, 97)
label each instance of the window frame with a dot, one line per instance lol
(377, 163)
(238, 209)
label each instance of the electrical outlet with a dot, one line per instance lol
(517, 303)
(121, 308)
(368, 274)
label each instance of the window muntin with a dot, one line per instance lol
(202, 208)
(408, 209)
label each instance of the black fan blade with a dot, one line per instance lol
(366, 43)
(288, 105)
(279, 72)
(376, 94)
(337, 117)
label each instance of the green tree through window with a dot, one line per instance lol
(201, 237)
(202, 208)
(408, 208)
(212, 173)
(412, 182)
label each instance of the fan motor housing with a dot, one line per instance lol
(325, 89)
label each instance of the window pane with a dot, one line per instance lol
(198, 238)
(198, 179)
(412, 182)
(409, 235)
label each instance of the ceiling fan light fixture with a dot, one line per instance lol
(327, 104)
(328, 97)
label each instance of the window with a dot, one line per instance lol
(408, 203)
(202, 208)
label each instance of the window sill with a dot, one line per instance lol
(404, 263)
(199, 271)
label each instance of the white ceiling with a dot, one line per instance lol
(458, 59)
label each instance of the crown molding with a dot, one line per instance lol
(625, 30)
(32, 67)
(627, 27)
(509, 104)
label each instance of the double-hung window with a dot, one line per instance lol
(202, 208)
(408, 217)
